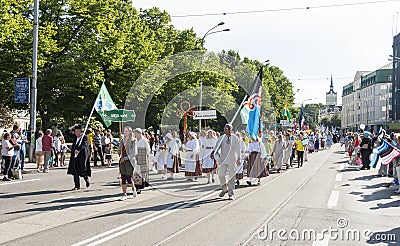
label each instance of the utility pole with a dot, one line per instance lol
(34, 80)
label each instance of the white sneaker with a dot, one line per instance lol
(124, 197)
(134, 193)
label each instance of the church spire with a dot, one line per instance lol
(331, 83)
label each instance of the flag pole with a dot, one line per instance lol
(90, 116)
(237, 112)
(91, 112)
(231, 122)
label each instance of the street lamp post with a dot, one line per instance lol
(34, 80)
(209, 32)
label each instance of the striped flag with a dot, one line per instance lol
(386, 152)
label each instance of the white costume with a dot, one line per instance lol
(192, 149)
(239, 170)
(207, 146)
(229, 156)
(288, 151)
(278, 151)
(161, 157)
(172, 148)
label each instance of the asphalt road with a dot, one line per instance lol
(325, 195)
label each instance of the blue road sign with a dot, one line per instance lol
(21, 88)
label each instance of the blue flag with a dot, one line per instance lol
(301, 119)
(253, 105)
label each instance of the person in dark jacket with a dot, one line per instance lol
(366, 150)
(79, 164)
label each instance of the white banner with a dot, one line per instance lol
(204, 115)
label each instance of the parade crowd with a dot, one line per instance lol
(361, 148)
(231, 156)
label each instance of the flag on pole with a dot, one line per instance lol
(286, 113)
(386, 152)
(104, 103)
(244, 114)
(253, 105)
(301, 119)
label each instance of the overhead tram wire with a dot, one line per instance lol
(285, 9)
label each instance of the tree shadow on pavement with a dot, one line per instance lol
(391, 237)
(69, 203)
(157, 208)
(35, 193)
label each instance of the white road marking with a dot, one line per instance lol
(280, 207)
(341, 167)
(19, 182)
(333, 199)
(323, 242)
(214, 213)
(130, 228)
(339, 177)
(143, 219)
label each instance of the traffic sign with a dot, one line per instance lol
(119, 115)
(21, 90)
(204, 115)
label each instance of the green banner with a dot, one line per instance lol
(119, 115)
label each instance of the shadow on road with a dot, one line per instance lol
(391, 237)
(69, 203)
(35, 193)
(156, 208)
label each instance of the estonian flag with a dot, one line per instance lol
(253, 106)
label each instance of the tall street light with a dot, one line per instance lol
(34, 80)
(209, 32)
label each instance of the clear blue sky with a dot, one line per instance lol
(308, 45)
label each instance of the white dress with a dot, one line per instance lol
(207, 146)
(161, 158)
(172, 149)
(278, 149)
(239, 169)
(192, 148)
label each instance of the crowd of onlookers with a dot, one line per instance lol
(360, 148)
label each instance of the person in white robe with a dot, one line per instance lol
(192, 149)
(172, 157)
(277, 153)
(208, 165)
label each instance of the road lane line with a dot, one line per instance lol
(323, 242)
(280, 206)
(19, 182)
(117, 234)
(136, 221)
(214, 213)
(341, 167)
(339, 177)
(333, 199)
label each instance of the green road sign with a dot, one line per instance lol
(119, 115)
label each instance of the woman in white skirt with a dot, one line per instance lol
(243, 148)
(192, 150)
(172, 158)
(208, 165)
(161, 159)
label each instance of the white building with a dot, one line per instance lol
(367, 100)
(331, 107)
